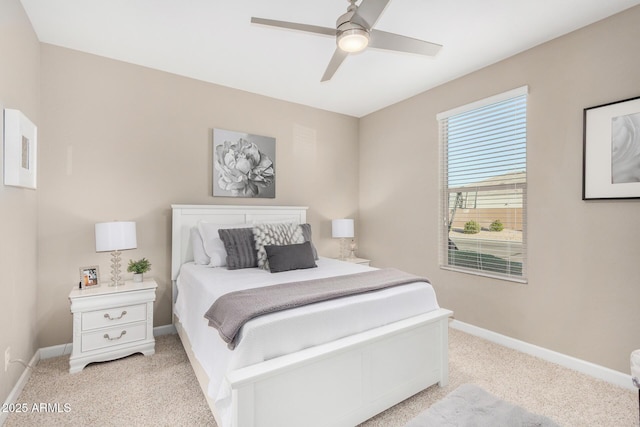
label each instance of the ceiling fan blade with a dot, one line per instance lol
(338, 56)
(295, 26)
(390, 41)
(369, 11)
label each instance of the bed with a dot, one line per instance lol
(343, 373)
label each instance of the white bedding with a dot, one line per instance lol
(275, 334)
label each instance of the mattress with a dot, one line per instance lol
(284, 332)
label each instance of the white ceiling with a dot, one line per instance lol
(214, 41)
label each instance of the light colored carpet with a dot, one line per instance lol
(471, 406)
(161, 390)
(568, 397)
(158, 390)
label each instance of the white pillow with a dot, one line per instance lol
(212, 243)
(199, 254)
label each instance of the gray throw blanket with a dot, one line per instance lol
(231, 311)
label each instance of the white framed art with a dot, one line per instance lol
(611, 158)
(20, 150)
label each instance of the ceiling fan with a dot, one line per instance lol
(354, 32)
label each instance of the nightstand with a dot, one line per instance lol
(110, 322)
(358, 261)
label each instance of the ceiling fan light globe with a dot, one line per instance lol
(353, 40)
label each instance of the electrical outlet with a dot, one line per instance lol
(7, 358)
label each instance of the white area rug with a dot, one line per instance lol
(471, 406)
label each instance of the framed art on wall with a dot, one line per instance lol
(243, 165)
(611, 157)
(20, 150)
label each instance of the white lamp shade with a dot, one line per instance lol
(115, 236)
(342, 228)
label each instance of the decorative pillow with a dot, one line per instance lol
(290, 257)
(285, 233)
(199, 254)
(213, 245)
(240, 247)
(306, 233)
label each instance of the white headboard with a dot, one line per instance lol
(185, 217)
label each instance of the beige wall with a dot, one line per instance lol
(583, 291)
(124, 142)
(118, 141)
(19, 73)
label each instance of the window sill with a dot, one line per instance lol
(485, 274)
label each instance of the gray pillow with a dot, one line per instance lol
(306, 233)
(282, 233)
(290, 257)
(240, 246)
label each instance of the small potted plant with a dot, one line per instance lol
(138, 268)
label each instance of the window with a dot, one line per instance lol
(484, 186)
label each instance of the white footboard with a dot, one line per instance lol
(347, 381)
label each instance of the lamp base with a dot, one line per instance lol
(343, 249)
(352, 251)
(115, 269)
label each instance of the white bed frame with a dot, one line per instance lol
(340, 383)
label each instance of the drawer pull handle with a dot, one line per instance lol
(107, 316)
(116, 338)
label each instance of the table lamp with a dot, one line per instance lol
(342, 229)
(115, 237)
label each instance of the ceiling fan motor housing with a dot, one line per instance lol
(344, 21)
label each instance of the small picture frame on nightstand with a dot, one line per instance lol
(89, 276)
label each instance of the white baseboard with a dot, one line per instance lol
(597, 371)
(164, 330)
(55, 351)
(17, 389)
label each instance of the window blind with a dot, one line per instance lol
(484, 186)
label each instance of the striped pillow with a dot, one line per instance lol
(240, 246)
(306, 232)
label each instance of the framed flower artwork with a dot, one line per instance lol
(243, 165)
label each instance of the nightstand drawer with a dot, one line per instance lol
(114, 336)
(113, 316)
